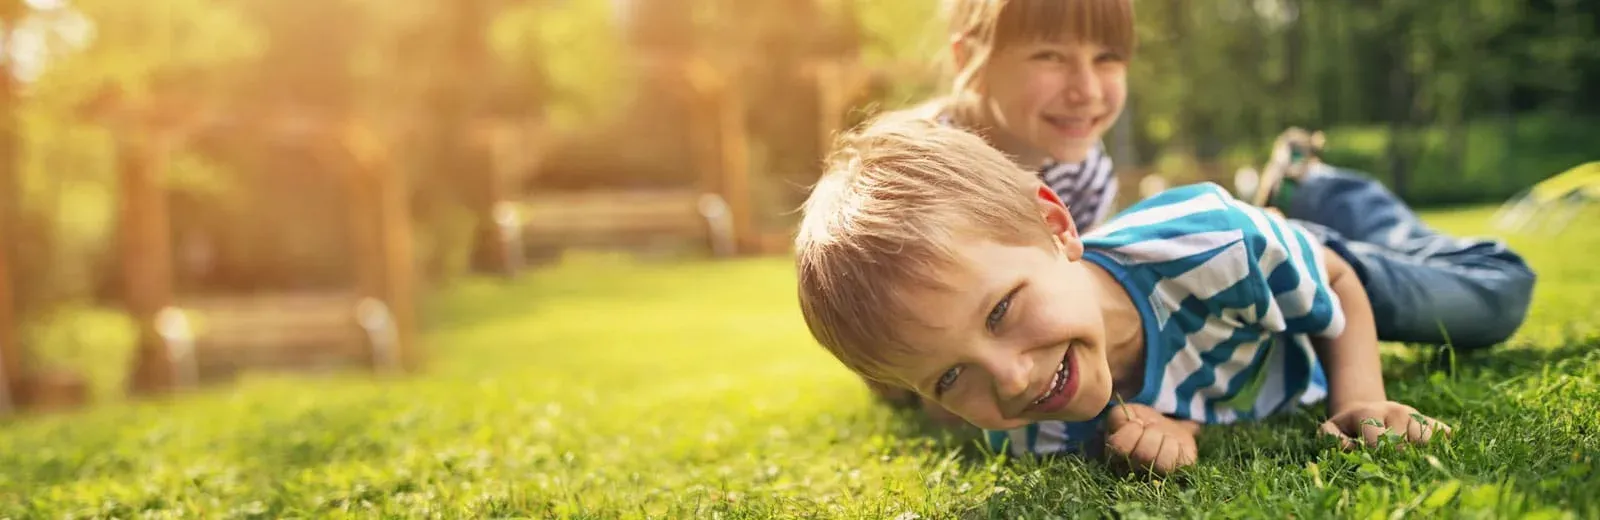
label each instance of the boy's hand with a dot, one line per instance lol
(1150, 440)
(1370, 420)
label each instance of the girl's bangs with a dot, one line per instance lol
(1105, 22)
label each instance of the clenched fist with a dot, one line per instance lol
(1149, 440)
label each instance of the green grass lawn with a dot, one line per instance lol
(622, 389)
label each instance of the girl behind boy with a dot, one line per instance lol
(1042, 81)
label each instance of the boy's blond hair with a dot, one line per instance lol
(897, 195)
(985, 27)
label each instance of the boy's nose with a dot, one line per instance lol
(1011, 378)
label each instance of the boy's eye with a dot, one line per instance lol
(998, 313)
(946, 380)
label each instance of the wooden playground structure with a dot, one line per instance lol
(193, 341)
(716, 211)
(186, 340)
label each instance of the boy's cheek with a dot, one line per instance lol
(939, 414)
(993, 421)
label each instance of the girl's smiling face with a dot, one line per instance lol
(1055, 98)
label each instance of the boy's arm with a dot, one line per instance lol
(1355, 374)
(1358, 405)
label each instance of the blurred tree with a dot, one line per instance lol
(1483, 97)
(12, 362)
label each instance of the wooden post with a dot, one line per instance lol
(721, 141)
(497, 241)
(385, 253)
(11, 362)
(11, 366)
(700, 87)
(734, 141)
(146, 245)
(22, 385)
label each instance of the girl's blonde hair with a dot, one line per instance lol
(985, 27)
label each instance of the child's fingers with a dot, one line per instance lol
(1121, 415)
(1171, 455)
(1417, 429)
(1331, 429)
(1149, 446)
(1373, 429)
(1123, 440)
(1435, 426)
(1421, 429)
(1190, 454)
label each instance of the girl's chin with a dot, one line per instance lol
(1072, 152)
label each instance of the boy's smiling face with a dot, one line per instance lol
(1017, 335)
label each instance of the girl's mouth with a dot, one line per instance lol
(1075, 127)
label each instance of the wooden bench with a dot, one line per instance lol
(605, 219)
(214, 339)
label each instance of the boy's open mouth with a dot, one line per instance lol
(1062, 386)
(1072, 126)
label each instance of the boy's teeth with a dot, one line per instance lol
(1060, 380)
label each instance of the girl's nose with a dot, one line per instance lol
(1082, 84)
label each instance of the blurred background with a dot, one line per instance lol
(276, 164)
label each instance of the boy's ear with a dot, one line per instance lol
(1060, 221)
(960, 52)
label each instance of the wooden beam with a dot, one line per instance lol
(721, 143)
(388, 256)
(144, 237)
(11, 352)
(497, 247)
(734, 141)
(11, 365)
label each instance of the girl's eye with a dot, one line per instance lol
(946, 380)
(1049, 56)
(1108, 57)
(998, 314)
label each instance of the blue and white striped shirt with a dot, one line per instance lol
(1229, 297)
(1088, 188)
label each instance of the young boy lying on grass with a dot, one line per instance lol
(927, 260)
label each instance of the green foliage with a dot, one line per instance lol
(612, 388)
(1210, 78)
(68, 176)
(898, 31)
(1497, 161)
(191, 44)
(1213, 76)
(576, 45)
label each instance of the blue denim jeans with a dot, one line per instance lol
(1425, 287)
